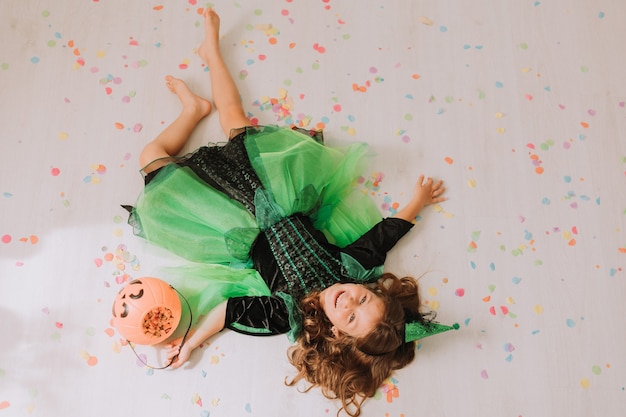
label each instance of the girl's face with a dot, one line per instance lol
(352, 308)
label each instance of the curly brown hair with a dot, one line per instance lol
(352, 369)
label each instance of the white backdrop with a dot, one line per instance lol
(520, 106)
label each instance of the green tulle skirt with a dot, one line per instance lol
(182, 213)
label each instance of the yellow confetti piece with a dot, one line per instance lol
(471, 183)
(500, 130)
(510, 300)
(432, 291)
(525, 70)
(100, 54)
(538, 309)
(214, 360)
(584, 382)
(63, 135)
(499, 115)
(434, 305)
(425, 21)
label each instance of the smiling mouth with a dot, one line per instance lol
(341, 293)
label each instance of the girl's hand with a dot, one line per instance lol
(428, 192)
(178, 354)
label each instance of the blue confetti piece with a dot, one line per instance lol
(516, 280)
(443, 29)
(492, 266)
(545, 201)
(567, 179)
(473, 265)
(499, 84)
(601, 15)
(570, 323)
(34, 60)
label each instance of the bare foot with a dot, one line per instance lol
(210, 45)
(190, 101)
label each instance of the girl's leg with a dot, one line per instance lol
(225, 93)
(171, 140)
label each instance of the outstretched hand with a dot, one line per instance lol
(176, 354)
(428, 192)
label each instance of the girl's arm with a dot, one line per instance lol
(209, 325)
(425, 193)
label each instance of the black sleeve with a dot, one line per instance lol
(257, 316)
(370, 250)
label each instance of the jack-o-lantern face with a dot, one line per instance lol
(146, 311)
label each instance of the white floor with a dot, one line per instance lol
(520, 106)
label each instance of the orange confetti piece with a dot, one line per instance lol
(539, 170)
(448, 160)
(70, 43)
(415, 76)
(4, 404)
(157, 8)
(584, 124)
(92, 361)
(487, 299)
(272, 41)
(473, 245)
(572, 242)
(119, 125)
(621, 250)
(200, 11)
(292, 45)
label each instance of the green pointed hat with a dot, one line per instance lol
(415, 330)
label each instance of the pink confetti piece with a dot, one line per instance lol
(6, 239)
(460, 292)
(483, 374)
(319, 48)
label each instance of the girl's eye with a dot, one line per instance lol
(363, 299)
(351, 318)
